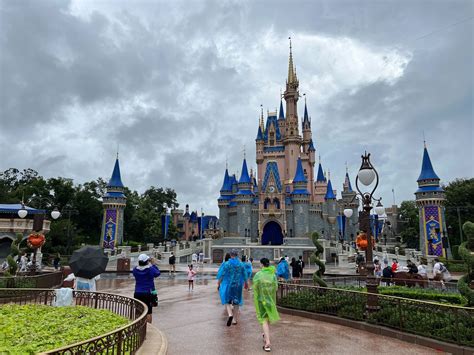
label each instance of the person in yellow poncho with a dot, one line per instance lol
(265, 286)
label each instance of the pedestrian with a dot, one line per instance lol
(283, 270)
(248, 272)
(300, 260)
(230, 282)
(295, 269)
(201, 257)
(145, 274)
(412, 268)
(387, 274)
(394, 265)
(287, 259)
(82, 283)
(440, 273)
(360, 260)
(23, 262)
(422, 269)
(377, 268)
(194, 258)
(56, 261)
(172, 262)
(191, 274)
(265, 286)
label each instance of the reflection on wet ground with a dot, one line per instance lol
(194, 323)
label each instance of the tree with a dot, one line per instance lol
(317, 276)
(466, 251)
(459, 196)
(409, 230)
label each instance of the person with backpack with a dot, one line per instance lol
(296, 271)
(145, 274)
(172, 262)
(440, 273)
(387, 274)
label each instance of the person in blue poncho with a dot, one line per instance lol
(230, 282)
(283, 270)
(248, 271)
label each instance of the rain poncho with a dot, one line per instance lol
(232, 275)
(283, 270)
(248, 270)
(265, 286)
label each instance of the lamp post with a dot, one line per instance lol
(367, 175)
(37, 226)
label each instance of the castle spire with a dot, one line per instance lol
(299, 176)
(329, 192)
(115, 179)
(244, 177)
(281, 116)
(427, 171)
(291, 68)
(262, 126)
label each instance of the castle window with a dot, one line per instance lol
(265, 203)
(276, 202)
(272, 138)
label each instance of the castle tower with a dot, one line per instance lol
(244, 199)
(330, 209)
(348, 201)
(430, 198)
(292, 140)
(113, 202)
(223, 202)
(320, 185)
(300, 201)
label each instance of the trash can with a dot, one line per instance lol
(123, 265)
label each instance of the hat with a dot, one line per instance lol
(143, 257)
(234, 252)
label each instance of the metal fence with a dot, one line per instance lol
(434, 320)
(44, 280)
(360, 280)
(126, 339)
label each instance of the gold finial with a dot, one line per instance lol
(118, 146)
(319, 158)
(244, 151)
(329, 175)
(261, 119)
(291, 68)
(424, 139)
(347, 169)
(226, 162)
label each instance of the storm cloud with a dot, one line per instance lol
(177, 87)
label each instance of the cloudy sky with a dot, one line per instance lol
(178, 86)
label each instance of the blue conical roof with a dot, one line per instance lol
(259, 133)
(348, 182)
(115, 180)
(281, 116)
(329, 192)
(427, 171)
(299, 176)
(227, 184)
(311, 146)
(244, 177)
(320, 177)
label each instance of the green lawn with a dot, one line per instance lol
(31, 329)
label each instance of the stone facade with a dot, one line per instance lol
(285, 199)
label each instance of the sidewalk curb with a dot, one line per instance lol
(155, 342)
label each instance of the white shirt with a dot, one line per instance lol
(82, 284)
(422, 270)
(437, 268)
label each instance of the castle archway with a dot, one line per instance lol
(272, 234)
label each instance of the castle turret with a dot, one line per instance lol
(223, 202)
(430, 198)
(349, 201)
(320, 185)
(113, 202)
(244, 199)
(300, 201)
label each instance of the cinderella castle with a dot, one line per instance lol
(285, 200)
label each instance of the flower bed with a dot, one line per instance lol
(37, 328)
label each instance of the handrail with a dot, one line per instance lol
(130, 336)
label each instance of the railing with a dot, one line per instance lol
(46, 280)
(360, 280)
(438, 321)
(126, 339)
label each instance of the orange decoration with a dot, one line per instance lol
(362, 241)
(35, 240)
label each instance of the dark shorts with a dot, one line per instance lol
(145, 298)
(190, 281)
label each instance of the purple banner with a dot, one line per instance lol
(110, 229)
(432, 229)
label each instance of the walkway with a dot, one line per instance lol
(194, 323)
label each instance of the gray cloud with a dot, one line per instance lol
(178, 85)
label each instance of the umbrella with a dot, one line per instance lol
(88, 262)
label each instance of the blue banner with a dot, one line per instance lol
(165, 222)
(341, 223)
(376, 225)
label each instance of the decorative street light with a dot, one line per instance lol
(36, 240)
(366, 175)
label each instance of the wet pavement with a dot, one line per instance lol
(194, 323)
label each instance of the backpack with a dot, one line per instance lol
(442, 268)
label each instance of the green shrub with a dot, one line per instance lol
(424, 294)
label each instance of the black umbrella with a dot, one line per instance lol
(88, 262)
